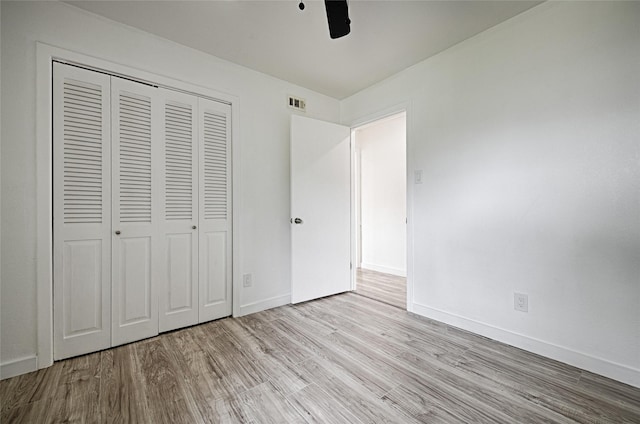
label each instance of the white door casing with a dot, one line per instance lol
(81, 211)
(214, 137)
(136, 244)
(178, 297)
(321, 199)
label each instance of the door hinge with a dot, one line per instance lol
(350, 265)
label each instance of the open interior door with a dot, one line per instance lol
(320, 209)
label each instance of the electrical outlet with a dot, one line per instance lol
(246, 280)
(521, 302)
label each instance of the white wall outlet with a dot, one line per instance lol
(521, 302)
(247, 280)
(417, 176)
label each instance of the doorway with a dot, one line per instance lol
(380, 165)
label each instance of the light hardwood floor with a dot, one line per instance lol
(342, 359)
(386, 288)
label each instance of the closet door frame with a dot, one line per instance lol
(45, 56)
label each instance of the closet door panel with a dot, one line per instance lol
(81, 212)
(215, 209)
(216, 268)
(136, 187)
(178, 301)
(180, 275)
(134, 280)
(82, 279)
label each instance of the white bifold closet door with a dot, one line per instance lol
(214, 135)
(136, 243)
(179, 283)
(141, 210)
(82, 211)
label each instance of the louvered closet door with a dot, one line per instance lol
(178, 298)
(81, 211)
(215, 209)
(137, 260)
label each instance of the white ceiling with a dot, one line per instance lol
(276, 38)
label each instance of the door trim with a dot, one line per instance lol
(45, 55)
(359, 122)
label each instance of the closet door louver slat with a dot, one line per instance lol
(179, 161)
(82, 157)
(135, 157)
(215, 165)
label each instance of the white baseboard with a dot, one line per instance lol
(262, 305)
(18, 366)
(619, 372)
(385, 269)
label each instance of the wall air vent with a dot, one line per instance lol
(297, 103)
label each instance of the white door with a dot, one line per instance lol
(320, 209)
(81, 211)
(178, 297)
(136, 242)
(214, 148)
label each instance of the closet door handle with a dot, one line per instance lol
(194, 227)
(117, 232)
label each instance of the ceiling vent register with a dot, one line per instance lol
(297, 103)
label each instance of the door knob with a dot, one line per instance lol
(296, 220)
(117, 232)
(194, 227)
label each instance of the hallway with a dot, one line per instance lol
(386, 288)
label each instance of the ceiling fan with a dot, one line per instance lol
(337, 17)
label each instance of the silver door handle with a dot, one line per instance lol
(296, 220)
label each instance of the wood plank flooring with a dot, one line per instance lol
(386, 288)
(341, 359)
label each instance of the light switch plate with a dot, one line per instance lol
(417, 176)
(521, 302)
